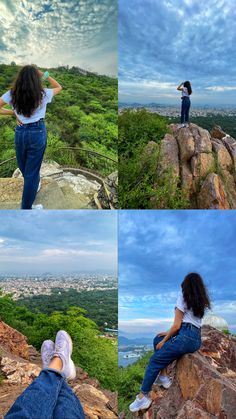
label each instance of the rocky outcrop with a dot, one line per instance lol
(63, 188)
(204, 164)
(13, 341)
(107, 196)
(20, 365)
(204, 383)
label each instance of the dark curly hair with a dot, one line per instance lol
(195, 294)
(27, 92)
(189, 87)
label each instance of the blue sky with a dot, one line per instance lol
(165, 42)
(55, 241)
(157, 249)
(58, 32)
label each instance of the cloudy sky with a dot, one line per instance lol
(54, 241)
(56, 32)
(165, 42)
(157, 249)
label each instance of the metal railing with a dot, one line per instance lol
(70, 157)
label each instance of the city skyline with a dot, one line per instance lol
(50, 33)
(157, 250)
(163, 43)
(84, 240)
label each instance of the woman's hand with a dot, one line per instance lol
(162, 334)
(40, 72)
(19, 123)
(160, 344)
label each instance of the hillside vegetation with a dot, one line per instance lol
(139, 182)
(83, 115)
(130, 380)
(96, 355)
(100, 306)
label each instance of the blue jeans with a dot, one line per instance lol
(48, 397)
(187, 340)
(30, 144)
(185, 110)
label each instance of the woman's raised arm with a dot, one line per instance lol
(180, 87)
(57, 88)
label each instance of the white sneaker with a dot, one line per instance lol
(37, 207)
(63, 349)
(140, 404)
(39, 187)
(163, 380)
(47, 350)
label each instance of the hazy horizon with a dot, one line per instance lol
(46, 241)
(79, 33)
(163, 43)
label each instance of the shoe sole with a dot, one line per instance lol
(143, 407)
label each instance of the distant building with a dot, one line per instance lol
(215, 321)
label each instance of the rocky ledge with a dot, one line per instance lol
(20, 364)
(204, 163)
(63, 188)
(204, 383)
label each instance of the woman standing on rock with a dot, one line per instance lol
(29, 100)
(183, 337)
(186, 90)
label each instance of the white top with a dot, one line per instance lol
(188, 316)
(185, 92)
(38, 113)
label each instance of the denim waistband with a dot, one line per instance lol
(190, 326)
(34, 124)
(185, 97)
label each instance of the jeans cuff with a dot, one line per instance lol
(56, 372)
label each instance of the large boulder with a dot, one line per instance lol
(204, 383)
(13, 341)
(170, 153)
(203, 164)
(212, 194)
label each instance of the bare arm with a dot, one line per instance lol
(180, 87)
(174, 328)
(55, 85)
(3, 111)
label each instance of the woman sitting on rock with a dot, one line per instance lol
(183, 337)
(29, 100)
(186, 90)
(49, 396)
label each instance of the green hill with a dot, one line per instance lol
(83, 115)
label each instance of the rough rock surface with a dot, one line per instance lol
(63, 188)
(20, 365)
(204, 383)
(107, 196)
(204, 163)
(13, 341)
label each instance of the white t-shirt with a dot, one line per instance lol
(38, 113)
(185, 92)
(188, 316)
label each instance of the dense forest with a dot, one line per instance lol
(100, 306)
(97, 355)
(83, 115)
(138, 168)
(227, 123)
